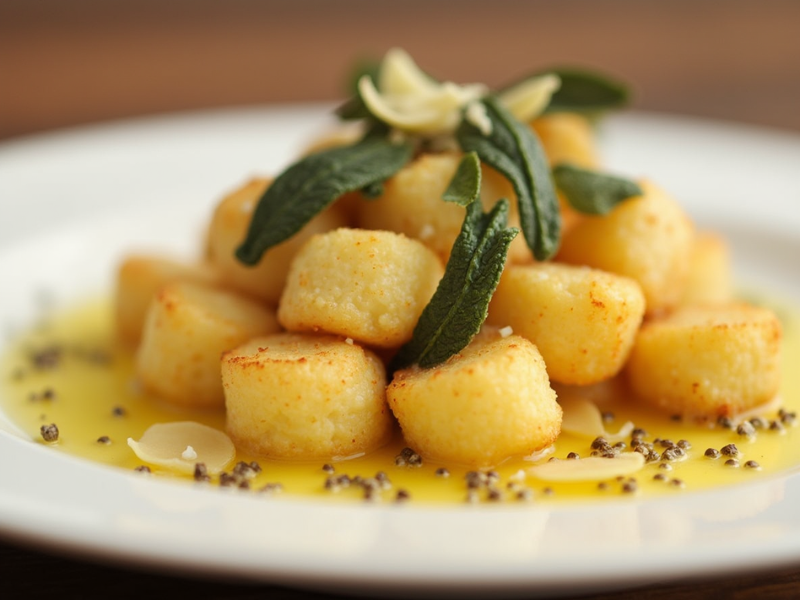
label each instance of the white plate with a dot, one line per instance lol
(71, 202)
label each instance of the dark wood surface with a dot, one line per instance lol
(67, 63)
(26, 573)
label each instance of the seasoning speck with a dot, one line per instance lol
(143, 469)
(746, 429)
(402, 496)
(751, 464)
(725, 422)
(408, 457)
(201, 472)
(732, 462)
(711, 453)
(49, 432)
(442, 472)
(104, 439)
(119, 411)
(730, 450)
(525, 495)
(272, 488)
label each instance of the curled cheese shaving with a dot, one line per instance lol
(411, 101)
(529, 98)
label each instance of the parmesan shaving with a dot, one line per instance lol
(409, 100)
(583, 418)
(476, 114)
(593, 468)
(529, 98)
(178, 446)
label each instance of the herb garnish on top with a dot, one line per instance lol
(406, 112)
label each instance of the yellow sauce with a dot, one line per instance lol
(88, 393)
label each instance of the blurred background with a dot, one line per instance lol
(71, 62)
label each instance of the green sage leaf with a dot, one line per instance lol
(354, 108)
(465, 186)
(587, 91)
(372, 191)
(459, 306)
(310, 185)
(514, 149)
(591, 192)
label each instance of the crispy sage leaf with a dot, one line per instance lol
(591, 192)
(587, 91)
(458, 307)
(465, 186)
(354, 108)
(312, 184)
(514, 149)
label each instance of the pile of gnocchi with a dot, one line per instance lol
(295, 350)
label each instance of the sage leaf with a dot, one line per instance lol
(514, 149)
(354, 108)
(459, 306)
(310, 185)
(587, 92)
(465, 187)
(591, 192)
(372, 191)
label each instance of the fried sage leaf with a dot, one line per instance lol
(312, 184)
(514, 149)
(591, 192)
(465, 187)
(586, 91)
(459, 306)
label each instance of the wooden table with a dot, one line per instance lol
(69, 63)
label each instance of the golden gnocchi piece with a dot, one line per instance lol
(567, 137)
(710, 279)
(367, 285)
(707, 361)
(412, 204)
(648, 238)
(227, 230)
(187, 329)
(582, 320)
(301, 396)
(489, 402)
(139, 277)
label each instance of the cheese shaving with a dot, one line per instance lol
(409, 100)
(178, 446)
(593, 468)
(529, 98)
(583, 418)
